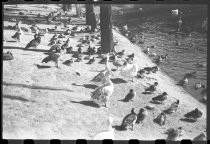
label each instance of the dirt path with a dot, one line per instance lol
(46, 103)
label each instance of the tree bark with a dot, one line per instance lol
(107, 44)
(78, 10)
(89, 9)
(67, 7)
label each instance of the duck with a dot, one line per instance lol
(66, 44)
(79, 50)
(101, 94)
(183, 82)
(129, 70)
(152, 88)
(198, 85)
(88, 57)
(91, 61)
(194, 114)
(178, 43)
(175, 12)
(131, 56)
(52, 57)
(141, 116)
(153, 54)
(153, 69)
(99, 51)
(118, 62)
(173, 108)
(61, 35)
(129, 96)
(107, 134)
(34, 43)
(164, 57)
(8, 56)
(191, 75)
(52, 43)
(69, 49)
(67, 32)
(173, 134)
(56, 47)
(141, 74)
(160, 98)
(120, 54)
(203, 100)
(69, 62)
(125, 28)
(159, 60)
(200, 137)
(147, 50)
(129, 121)
(201, 64)
(161, 118)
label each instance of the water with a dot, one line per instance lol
(159, 31)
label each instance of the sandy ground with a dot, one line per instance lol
(46, 103)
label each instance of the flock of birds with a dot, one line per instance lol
(102, 93)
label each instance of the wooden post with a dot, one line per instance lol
(107, 44)
(78, 10)
(89, 9)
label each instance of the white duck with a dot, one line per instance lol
(108, 134)
(175, 12)
(130, 71)
(101, 94)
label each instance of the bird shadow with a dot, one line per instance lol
(11, 41)
(118, 81)
(9, 47)
(15, 98)
(188, 120)
(146, 92)
(155, 102)
(118, 128)
(36, 87)
(87, 103)
(42, 66)
(90, 86)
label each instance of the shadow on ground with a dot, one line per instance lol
(35, 87)
(87, 103)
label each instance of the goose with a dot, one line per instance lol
(141, 116)
(131, 56)
(88, 57)
(52, 57)
(99, 77)
(160, 98)
(173, 108)
(129, 70)
(141, 74)
(194, 114)
(161, 118)
(108, 134)
(129, 120)
(101, 95)
(147, 50)
(118, 62)
(61, 36)
(200, 137)
(129, 96)
(66, 44)
(34, 43)
(52, 43)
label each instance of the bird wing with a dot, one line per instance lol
(129, 119)
(99, 77)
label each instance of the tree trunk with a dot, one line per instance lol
(89, 9)
(78, 10)
(67, 7)
(107, 44)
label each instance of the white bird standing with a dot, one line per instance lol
(101, 94)
(130, 71)
(108, 134)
